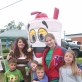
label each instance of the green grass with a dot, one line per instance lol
(4, 54)
(79, 60)
(4, 47)
(1, 76)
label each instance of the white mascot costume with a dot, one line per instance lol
(39, 27)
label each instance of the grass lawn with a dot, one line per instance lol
(4, 54)
(3, 48)
(79, 60)
(1, 76)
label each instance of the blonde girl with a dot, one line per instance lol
(68, 71)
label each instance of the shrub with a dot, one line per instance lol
(6, 51)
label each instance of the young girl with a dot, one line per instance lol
(33, 65)
(52, 58)
(68, 71)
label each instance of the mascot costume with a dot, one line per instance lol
(38, 28)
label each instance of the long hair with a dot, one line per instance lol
(24, 50)
(51, 36)
(74, 66)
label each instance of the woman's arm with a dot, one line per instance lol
(10, 55)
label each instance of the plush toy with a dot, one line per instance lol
(38, 28)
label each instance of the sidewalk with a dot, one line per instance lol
(1, 64)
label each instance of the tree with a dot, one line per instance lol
(19, 26)
(2, 30)
(12, 25)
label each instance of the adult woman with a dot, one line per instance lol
(23, 56)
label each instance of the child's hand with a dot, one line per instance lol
(79, 72)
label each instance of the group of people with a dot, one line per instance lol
(58, 64)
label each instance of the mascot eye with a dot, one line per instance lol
(41, 37)
(32, 36)
(41, 34)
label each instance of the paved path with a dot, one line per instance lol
(1, 66)
(0, 63)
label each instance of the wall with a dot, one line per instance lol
(77, 39)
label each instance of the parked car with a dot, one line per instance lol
(69, 44)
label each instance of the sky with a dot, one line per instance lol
(70, 12)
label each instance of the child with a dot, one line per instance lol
(68, 71)
(35, 69)
(13, 74)
(40, 72)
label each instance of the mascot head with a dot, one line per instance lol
(39, 27)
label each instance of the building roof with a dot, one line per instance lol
(13, 34)
(73, 34)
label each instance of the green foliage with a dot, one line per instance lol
(2, 30)
(6, 50)
(12, 25)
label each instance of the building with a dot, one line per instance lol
(75, 37)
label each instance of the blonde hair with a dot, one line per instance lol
(74, 66)
(39, 67)
(51, 36)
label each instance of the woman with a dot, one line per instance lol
(23, 56)
(52, 58)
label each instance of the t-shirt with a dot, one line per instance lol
(13, 76)
(48, 57)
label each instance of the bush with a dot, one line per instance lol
(6, 51)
